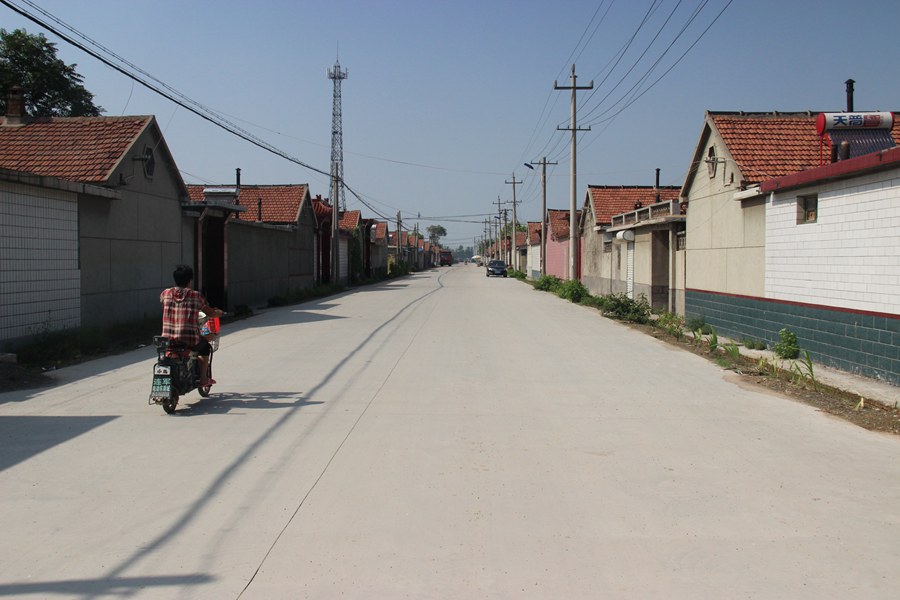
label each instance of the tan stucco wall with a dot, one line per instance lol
(725, 237)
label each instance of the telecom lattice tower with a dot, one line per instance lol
(336, 74)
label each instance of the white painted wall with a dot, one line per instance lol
(848, 258)
(533, 261)
(40, 282)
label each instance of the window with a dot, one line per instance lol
(149, 162)
(807, 209)
(680, 241)
(711, 161)
(607, 247)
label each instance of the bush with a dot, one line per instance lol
(572, 290)
(787, 347)
(517, 274)
(548, 283)
(620, 306)
(671, 323)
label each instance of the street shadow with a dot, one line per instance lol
(207, 495)
(22, 437)
(113, 586)
(221, 404)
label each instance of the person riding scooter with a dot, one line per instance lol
(181, 314)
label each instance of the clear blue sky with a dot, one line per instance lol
(445, 99)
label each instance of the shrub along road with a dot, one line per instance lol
(446, 435)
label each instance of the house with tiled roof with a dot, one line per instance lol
(520, 247)
(91, 221)
(533, 255)
(348, 222)
(639, 260)
(760, 253)
(557, 244)
(271, 235)
(375, 248)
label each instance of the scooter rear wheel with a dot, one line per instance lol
(204, 391)
(170, 404)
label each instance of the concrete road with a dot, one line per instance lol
(444, 436)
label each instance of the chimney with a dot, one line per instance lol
(657, 185)
(849, 83)
(15, 107)
(844, 151)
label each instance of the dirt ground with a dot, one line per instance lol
(872, 415)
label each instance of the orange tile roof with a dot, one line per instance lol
(558, 223)
(380, 231)
(280, 203)
(520, 238)
(534, 233)
(769, 145)
(323, 211)
(608, 200)
(82, 149)
(350, 220)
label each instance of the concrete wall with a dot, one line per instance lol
(533, 261)
(130, 245)
(40, 282)
(268, 260)
(593, 262)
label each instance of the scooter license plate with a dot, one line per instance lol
(162, 370)
(162, 386)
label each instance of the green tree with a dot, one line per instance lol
(435, 233)
(51, 88)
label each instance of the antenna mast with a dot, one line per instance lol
(336, 74)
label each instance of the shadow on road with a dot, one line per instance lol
(220, 404)
(26, 436)
(114, 586)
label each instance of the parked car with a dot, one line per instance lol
(496, 267)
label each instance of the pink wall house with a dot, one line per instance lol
(558, 244)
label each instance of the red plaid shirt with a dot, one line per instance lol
(180, 315)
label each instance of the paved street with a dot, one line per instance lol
(443, 436)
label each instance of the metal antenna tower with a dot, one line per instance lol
(336, 74)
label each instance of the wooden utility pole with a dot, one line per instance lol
(515, 256)
(506, 227)
(499, 229)
(543, 164)
(398, 236)
(573, 247)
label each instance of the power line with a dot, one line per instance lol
(168, 92)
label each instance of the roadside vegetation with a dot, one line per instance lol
(788, 368)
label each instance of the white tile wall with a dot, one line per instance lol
(40, 283)
(849, 258)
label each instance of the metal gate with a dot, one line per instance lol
(629, 273)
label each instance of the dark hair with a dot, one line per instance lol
(183, 275)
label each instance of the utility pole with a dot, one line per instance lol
(543, 164)
(499, 230)
(573, 173)
(515, 255)
(506, 227)
(398, 237)
(495, 253)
